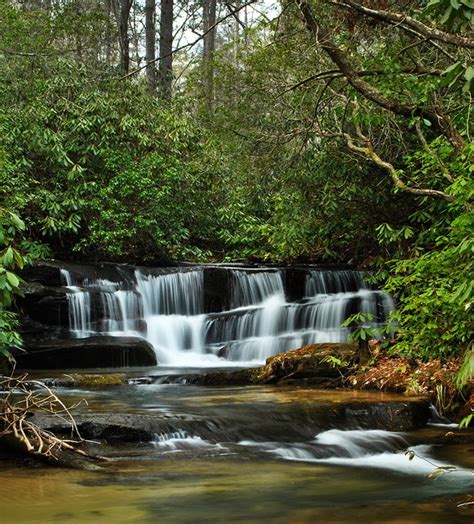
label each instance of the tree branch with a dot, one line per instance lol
(404, 20)
(340, 58)
(368, 152)
(335, 73)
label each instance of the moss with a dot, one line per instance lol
(93, 380)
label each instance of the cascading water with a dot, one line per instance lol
(168, 310)
(79, 307)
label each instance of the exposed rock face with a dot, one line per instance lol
(93, 352)
(136, 427)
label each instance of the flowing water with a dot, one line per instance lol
(258, 454)
(249, 454)
(259, 320)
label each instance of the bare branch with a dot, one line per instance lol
(431, 33)
(368, 152)
(368, 91)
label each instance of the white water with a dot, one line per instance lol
(181, 441)
(168, 310)
(79, 307)
(360, 448)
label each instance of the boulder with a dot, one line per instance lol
(393, 415)
(316, 364)
(92, 352)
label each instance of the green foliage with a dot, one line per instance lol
(454, 14)
(466, 372)
(434, 285)
(334, 362)
(363, 328)
(10, 260)
(102, 172)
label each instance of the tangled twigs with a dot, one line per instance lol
(22, 399)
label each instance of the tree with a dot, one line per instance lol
(150, 33)
(209, 22)
(166, 48)
(122, 12)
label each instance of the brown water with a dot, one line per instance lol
(249, 471)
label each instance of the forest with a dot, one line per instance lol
(236, 261)
(327, 131)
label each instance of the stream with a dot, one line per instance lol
(230, 454)
(253, 454)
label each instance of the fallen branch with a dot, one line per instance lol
(18, 431)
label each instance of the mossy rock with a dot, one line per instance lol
(326, 360)
(319, 364)
(89, 380)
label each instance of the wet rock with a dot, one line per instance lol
(111, 427)
(279, 422)
(84, 380)
(44, 305)
(392, 416)
(45, 273)
(317, 364)
(295, 280)
(216, 289)
(92, 352)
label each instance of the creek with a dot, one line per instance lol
(253, 454)
(238, 454)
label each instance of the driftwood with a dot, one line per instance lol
(22, 399)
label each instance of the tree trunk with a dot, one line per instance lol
(209, 20)
(125, 6)
(150, 37)
(108, 42)
(166, 48)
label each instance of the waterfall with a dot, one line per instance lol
(253, 288)
(168, 309)
(171, 294)
(79, 307)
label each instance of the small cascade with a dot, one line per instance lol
(122, 310)
(171, 294)
(329, 282)
(79, 307)
(364, 448)
(168, 309)
(253, 288)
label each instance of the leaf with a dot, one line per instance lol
(13, 279)
(469, 74)
(8, 256)
(452, 68)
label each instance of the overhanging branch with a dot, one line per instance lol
(431, 33)
(368, 91)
